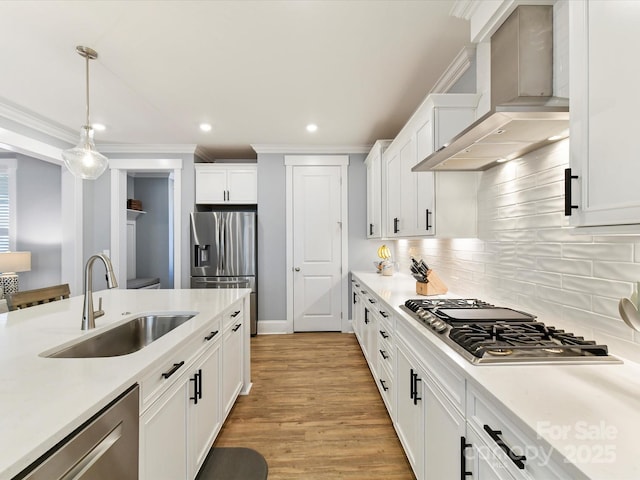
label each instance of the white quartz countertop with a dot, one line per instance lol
(588, 413)
(44, 399)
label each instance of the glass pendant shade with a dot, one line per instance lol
(83, 160)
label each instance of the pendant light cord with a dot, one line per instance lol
(88, 125)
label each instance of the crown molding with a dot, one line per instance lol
(29, 119)
(204, 154)
(176, 148)
(310, 149)
(464, 9)
(455, 70)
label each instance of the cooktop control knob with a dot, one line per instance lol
(438, 325)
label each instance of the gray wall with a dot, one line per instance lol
(272, 296)
(97, 198)
(153, 230)
(39, 219)
(467, 82)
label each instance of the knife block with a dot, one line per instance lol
(434, 286)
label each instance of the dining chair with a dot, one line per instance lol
(30, 298)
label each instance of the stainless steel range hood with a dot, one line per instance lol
(524, 115)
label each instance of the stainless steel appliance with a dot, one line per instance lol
(103, 448)
(485, 334)
(224, 254)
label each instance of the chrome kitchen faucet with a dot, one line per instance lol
(88, 314)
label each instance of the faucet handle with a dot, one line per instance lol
(99, 312)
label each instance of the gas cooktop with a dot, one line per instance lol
(485, 334)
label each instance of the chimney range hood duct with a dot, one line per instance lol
(524, 115)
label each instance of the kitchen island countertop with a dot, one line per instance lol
(589, 413)
(44, 399)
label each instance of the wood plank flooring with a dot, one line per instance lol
(314, 411)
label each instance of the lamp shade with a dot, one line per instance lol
(15, 262)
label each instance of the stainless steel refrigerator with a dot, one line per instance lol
(223, 253)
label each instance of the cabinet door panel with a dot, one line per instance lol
(211, 186)
(394, 187)
(409, 415)
(232, 365)
(444, 427)
(205, 415)
(163, 430)
(242, 186)
(603, 121)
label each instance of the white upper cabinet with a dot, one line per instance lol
(411, 206)
(373, 162)
(604, 103)
(231, 183)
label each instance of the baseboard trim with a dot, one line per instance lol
(273, 327)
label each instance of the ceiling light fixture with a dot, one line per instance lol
(83, 160)
(205, 127)
(312, 127)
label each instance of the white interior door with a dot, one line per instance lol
(317, 248)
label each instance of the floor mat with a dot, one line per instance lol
(233, 463)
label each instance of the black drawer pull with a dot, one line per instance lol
(235, 314)
(384, 334)
(568, 206)
(518, 460)
(384, 314)
(366, 316)
(384, 354)
(235, 329)
(211, 335)
(395, 225)
(384, 387)
(414, 387)
(371, 300)
(173, 369)
(354, 298)
(197, 385)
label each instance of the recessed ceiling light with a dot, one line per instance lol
(205, 127)
(312, 127)
(98, 127)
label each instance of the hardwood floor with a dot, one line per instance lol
(314, 411)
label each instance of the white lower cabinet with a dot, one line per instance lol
(205, 416)
(448, 427)
(409, 419)
(163, 435)
(188, 398)
(232, 358)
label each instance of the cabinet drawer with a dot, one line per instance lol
(384, 380)
(174, 364)
(494, 429)
(233, 315)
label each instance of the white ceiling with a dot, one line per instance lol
(257, 71)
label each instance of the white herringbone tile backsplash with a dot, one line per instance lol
(527, 257)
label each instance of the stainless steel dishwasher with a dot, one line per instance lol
(103, 448)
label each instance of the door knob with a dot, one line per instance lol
(297, 269)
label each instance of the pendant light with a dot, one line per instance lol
(83, 160)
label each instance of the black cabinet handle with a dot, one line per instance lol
(197, 386)
(371, 229)
(357, 284)
(395, 225)
(371, 300)
(414, 387)
(173, 369)
(518, 460)
(568, 206)
(463, 459)
(366, 316)
(384, 334)
(354, 298)
(235, 314)
(384, 354)
(384, 387)
(383, 313)
(427, 219)
(211, 335)
(235, 329)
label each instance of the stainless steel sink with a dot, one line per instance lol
(127, 338)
